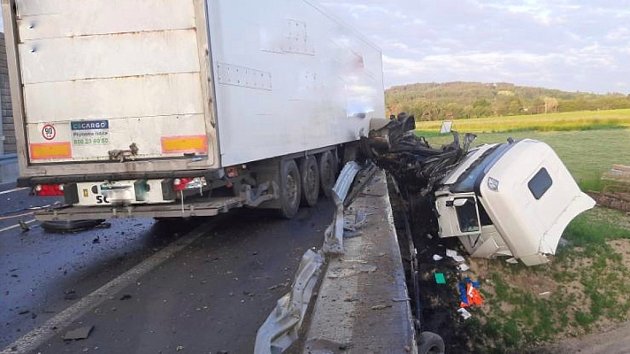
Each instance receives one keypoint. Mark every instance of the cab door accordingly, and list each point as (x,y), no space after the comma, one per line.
(458,215)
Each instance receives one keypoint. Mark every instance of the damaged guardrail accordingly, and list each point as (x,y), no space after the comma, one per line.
(281,327)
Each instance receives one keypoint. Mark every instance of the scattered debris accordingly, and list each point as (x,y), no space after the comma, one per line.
(439,278)
(24,226)
(351,271)
(453,254)
(274,287)
(380,307)
(465,314)
(401,300)
(70,295)
(512,260)
(463,267)
(23,312)
(469,293)
(545,293)
(78,333)
(437,257)
(125,297)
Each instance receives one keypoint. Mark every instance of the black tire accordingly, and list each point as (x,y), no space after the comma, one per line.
(290,189)
(310,181)
(327,173)
(430,343)
(70,226)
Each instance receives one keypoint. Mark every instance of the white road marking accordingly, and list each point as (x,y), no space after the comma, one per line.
(14,190)
(38,336)
(16,216)
(17,225)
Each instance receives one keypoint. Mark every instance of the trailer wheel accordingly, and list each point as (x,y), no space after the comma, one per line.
(290,189)
(430,343)
(310,181)
(327,172)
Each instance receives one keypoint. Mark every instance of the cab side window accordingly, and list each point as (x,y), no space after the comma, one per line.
(467,216)
(540,183)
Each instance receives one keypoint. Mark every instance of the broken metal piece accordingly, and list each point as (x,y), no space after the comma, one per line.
(282,326)
(78,333)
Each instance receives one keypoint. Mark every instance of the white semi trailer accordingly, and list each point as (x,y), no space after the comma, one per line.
(178,108)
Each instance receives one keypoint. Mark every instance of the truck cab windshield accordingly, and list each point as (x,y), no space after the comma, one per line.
(469,180)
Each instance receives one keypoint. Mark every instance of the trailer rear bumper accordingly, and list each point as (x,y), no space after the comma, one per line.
(209,208)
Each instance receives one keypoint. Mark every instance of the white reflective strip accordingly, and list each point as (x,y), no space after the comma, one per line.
(14,190)
(16,226)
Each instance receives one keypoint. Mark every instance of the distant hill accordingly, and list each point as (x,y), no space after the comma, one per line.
(452,100)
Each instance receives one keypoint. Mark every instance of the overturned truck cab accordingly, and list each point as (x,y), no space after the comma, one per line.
(513,199)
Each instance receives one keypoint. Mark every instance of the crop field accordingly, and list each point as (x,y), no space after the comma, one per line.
(583,120)
(584,288)
(587,153)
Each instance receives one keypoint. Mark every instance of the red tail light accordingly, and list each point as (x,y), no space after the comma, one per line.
(179,184)
(49,190)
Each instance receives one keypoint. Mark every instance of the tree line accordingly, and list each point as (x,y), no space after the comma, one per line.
(456,100)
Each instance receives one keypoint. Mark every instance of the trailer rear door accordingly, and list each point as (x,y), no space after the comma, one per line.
(101,75)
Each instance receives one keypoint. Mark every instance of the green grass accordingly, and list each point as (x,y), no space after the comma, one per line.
(583,120)
(587,154)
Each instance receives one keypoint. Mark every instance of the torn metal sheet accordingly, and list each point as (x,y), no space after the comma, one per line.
(333,237)
(281,328)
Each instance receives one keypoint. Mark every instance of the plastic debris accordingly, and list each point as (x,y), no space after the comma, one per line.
(469,293)
(437,257)
(465,314)
(453,254)
(463,267)
(512,260)
(439,278)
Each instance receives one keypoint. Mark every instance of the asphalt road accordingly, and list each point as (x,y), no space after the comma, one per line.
(210,296)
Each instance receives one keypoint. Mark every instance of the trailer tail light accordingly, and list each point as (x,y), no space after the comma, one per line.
(182,184)
(49,190)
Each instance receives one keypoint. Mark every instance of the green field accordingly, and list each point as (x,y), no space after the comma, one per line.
(589,142)
(584,120)
(587,154)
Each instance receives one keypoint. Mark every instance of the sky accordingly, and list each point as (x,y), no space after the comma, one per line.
(571,45)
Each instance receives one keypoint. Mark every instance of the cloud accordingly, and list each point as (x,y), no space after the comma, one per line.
(567,44)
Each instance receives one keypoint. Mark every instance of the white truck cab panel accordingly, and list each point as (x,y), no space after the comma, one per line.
(524,197)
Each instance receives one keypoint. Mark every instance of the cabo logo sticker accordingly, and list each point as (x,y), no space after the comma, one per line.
(90,132)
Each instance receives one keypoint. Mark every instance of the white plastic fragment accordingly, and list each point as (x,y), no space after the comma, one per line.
(512,260)
(465,314)
(463,267)
(437,257)
(453,254)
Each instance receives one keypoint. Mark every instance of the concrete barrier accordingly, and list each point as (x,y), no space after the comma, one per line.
(362,304)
